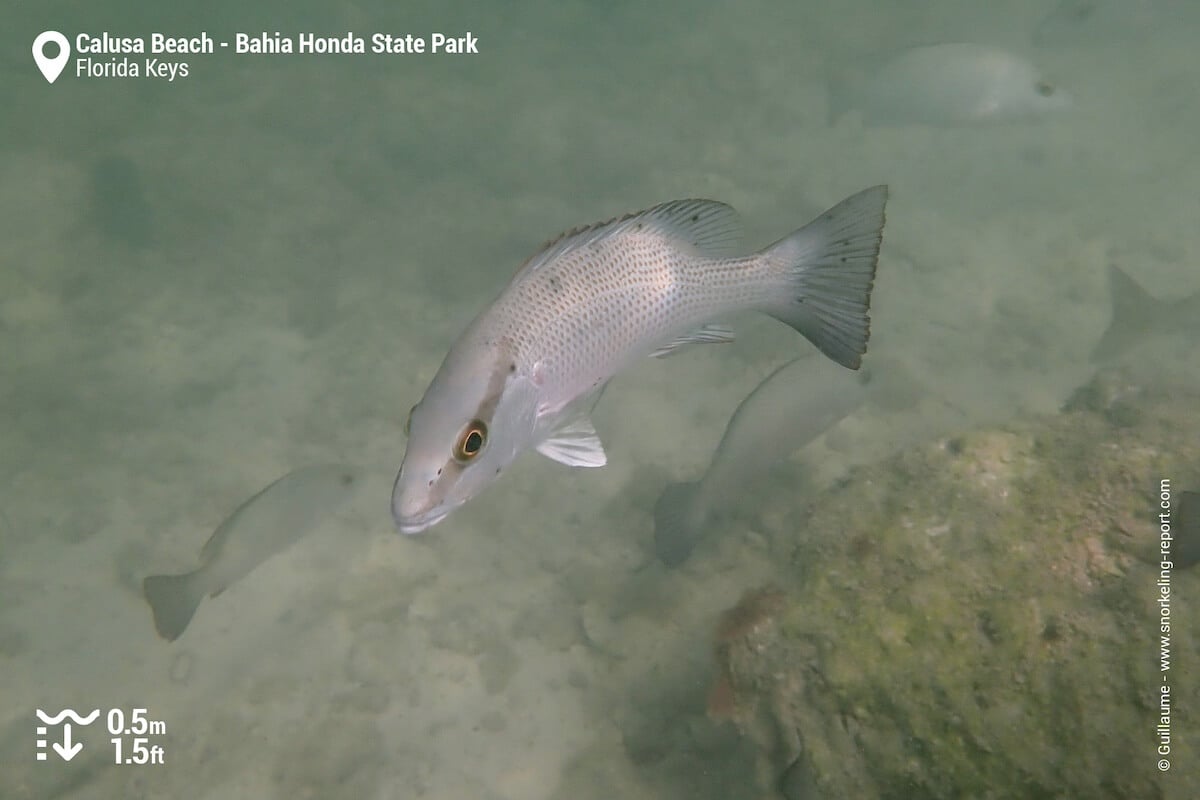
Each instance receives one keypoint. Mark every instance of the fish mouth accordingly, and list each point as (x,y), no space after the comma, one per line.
(413,514)
(416,523)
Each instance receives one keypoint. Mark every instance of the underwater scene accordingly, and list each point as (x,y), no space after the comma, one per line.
(576,400)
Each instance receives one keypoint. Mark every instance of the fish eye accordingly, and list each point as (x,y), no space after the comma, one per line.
(1044,88)
(471,441)
(408,422)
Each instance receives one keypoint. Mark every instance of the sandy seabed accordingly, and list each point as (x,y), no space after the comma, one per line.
(321,230)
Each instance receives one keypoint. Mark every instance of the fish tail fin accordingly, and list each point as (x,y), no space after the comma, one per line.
(678,522)
(173,599)
(1134,311)
(830,270)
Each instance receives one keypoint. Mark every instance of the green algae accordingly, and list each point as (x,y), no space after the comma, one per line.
(978,617)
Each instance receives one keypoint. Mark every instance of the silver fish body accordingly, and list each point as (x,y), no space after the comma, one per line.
(266,524)
(791,407)
(595,300)
(948,84)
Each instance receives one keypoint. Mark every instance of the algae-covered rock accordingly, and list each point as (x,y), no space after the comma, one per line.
(979,617)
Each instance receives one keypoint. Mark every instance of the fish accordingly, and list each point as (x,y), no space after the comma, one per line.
(799,780)
(793,406)
(947,84)
(527,371)
(266,524)
(1137,314)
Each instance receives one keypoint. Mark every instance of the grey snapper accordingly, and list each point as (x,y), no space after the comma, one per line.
(266,524)
(947,84)
(792,406)
(1137,314)
(527,371)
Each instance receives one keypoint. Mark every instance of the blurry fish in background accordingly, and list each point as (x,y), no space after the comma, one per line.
(947,84)
(1185,551)
(799,780)
(266,524)
(526,372)
(119,207)
(794,405)
(1136,315)
(1097,21)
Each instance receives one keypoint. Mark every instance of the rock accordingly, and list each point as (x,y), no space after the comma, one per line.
(979,617)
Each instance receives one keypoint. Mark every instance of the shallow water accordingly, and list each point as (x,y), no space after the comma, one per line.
(208,282)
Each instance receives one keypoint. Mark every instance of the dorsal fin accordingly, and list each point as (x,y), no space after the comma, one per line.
(705,226)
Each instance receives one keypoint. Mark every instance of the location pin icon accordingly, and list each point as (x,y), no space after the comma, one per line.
(51,67)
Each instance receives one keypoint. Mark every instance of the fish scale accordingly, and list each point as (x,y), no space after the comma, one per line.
(526,372)
(609,306)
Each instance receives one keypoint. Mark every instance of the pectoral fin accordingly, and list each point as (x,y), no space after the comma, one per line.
(575,444)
